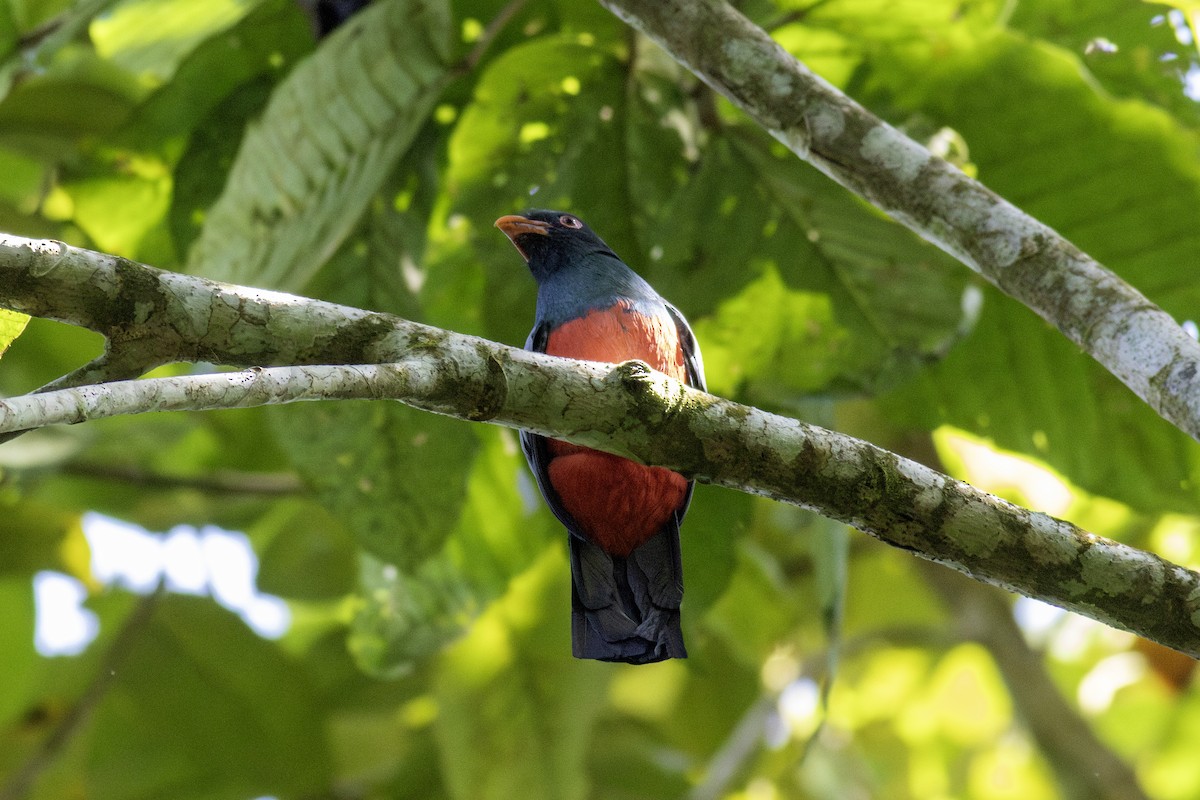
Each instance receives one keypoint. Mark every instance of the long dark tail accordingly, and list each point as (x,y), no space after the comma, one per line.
(627,609)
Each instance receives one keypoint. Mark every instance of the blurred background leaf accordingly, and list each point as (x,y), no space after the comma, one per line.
(426,585)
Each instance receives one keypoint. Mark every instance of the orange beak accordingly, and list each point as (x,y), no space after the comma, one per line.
(514,225)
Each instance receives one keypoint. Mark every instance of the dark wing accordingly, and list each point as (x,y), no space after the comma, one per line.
(534,446)
(694,365)
(692,361)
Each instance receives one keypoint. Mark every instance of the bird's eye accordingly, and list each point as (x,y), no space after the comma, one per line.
(567,221)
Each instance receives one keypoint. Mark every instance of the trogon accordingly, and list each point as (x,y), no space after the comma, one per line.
(622,517)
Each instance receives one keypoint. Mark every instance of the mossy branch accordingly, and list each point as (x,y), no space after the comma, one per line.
(1130,336)
(626,409)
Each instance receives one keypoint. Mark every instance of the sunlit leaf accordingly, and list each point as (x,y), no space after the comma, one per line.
(394,476)
(404,616)
(117,207)
(263,44)
(12,324)
(81,96)
(1132,49)
(515,717)
(150,38)
(1126,199)
(324,145)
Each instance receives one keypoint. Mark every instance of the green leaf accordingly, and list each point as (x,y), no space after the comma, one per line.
(550,124)
(755,586)
(1130,48)
(117,204)
(515,710)
(24,181)
(42,353)
(307,555)
(9,31)
(213,146)
(21,662)
(394,476)
(504,526)
(715,520)
(12,323)
(819,292)
(80,96)
(10,37)
(326,142)
(769,333)
(404,616)
(149,39)
(1126,199)
(261,47)
(36,536)
(554,110)
(193,670)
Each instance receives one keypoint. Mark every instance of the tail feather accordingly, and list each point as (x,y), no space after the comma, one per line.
(627,609)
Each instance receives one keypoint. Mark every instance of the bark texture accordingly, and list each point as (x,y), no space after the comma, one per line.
(627,409)
(1129,335)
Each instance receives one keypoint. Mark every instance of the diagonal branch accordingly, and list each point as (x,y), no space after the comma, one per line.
(1134,339)
(1085,766)
(625,409)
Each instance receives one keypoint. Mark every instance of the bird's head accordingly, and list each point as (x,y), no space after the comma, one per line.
(551,240)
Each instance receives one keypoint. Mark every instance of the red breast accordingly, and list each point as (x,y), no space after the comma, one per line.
(617,503)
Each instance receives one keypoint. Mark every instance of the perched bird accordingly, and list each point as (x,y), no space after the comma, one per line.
(622,518)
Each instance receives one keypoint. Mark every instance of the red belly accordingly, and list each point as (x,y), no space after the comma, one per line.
(617,503)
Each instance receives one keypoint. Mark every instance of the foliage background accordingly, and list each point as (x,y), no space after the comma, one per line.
(429,654)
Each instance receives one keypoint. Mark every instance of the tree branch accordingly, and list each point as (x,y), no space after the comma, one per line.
(1133,338)
(625,409)
(219,482)
(1085,766)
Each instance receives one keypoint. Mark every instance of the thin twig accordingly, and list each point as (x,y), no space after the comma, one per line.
(103,369)
(37,45)
(23,780)
(743,742)
(1085,766)
(489,35)
(222,481)
(797,15)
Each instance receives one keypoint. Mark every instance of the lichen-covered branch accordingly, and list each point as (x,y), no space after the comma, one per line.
(164,316)
(626,409)
(1133,338)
